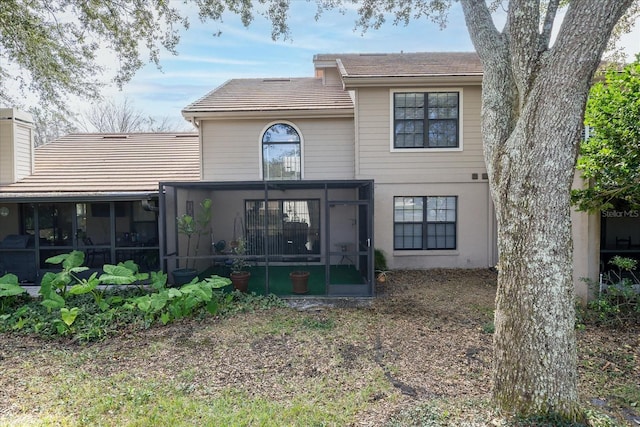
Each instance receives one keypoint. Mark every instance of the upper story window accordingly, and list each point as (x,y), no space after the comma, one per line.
(281,153)
(426,120)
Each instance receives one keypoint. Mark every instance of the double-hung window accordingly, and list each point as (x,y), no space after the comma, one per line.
(426,120)
(425,222)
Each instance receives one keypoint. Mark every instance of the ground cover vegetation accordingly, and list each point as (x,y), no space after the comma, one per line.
(419,355)
(86,306)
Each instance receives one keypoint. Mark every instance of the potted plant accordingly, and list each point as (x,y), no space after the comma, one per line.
(239,275)
(380,265)
(192,228)
(299,281)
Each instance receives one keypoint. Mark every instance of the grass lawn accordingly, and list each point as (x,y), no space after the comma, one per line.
(420,355)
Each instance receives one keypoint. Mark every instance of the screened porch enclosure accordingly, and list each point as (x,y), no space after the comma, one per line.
(324,227)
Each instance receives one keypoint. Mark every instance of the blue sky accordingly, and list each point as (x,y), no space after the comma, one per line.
(206,61)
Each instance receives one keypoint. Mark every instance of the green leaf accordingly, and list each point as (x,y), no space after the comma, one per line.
(130,265)
(212,307)
(117,275)
(9,286)
(217,282)
(165,318)
(46,284)
(69,315)
(158,280)
(85,286)
(53,301)
(174,293)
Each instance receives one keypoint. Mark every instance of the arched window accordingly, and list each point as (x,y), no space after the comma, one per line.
(281,153)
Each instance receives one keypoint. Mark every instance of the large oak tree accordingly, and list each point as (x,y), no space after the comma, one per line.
(533,100)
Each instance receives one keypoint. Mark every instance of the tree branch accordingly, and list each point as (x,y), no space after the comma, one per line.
(547,26)
(486,38)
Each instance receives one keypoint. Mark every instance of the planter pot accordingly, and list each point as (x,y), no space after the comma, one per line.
(299,281)
(240,280)
(182,276)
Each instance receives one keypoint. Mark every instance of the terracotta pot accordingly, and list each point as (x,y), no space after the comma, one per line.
(240,280)
(299,281)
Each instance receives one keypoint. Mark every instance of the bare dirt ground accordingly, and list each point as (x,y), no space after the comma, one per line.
(427,338)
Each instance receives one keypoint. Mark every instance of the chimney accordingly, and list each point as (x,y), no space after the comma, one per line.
(16,145)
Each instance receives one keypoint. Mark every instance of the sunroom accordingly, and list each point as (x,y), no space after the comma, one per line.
(323,227)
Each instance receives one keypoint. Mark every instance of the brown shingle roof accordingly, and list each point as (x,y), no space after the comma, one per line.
(111,163)
(406,64)
(272,95)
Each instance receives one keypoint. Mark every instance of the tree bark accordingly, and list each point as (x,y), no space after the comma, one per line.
(532,111)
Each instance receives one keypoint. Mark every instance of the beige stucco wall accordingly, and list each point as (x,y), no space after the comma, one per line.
(232,148)
(475,227)
(585,231)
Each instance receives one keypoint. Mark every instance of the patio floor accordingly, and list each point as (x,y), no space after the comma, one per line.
(280,284)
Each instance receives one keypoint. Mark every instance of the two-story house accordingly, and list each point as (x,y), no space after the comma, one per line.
(375,151)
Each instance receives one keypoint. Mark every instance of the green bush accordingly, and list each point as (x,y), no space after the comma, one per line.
(90,308)
(618,300)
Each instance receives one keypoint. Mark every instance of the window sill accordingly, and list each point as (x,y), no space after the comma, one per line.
(435,252)
(427,150)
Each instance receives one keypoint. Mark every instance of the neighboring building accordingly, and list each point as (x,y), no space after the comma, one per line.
(298,166)
(92,192)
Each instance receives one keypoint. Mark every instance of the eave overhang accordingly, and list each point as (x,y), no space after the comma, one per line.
(268,114)
(353,82)
(75,196)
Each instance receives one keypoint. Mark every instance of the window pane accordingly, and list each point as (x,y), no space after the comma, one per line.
(443,133)
(407,236)
(408,209)
(408,120)
(281,153)
(280,133)
(281,161)
(443,113)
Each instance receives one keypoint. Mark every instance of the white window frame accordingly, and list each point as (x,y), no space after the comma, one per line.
(260,156)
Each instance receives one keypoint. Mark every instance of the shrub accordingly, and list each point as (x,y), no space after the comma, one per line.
(618,300)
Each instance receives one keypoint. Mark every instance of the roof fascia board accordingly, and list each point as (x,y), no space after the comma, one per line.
(270,114)
(79,196)
(376,81)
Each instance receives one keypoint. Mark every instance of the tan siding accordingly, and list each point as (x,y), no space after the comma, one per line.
(328,149)
(332,77)
(6,152)
(231,148)
(378,162)
(23,150)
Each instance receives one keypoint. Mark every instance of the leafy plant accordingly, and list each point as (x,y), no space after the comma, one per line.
(168,304)
(379,260)
(618,298)
(9,290)
(190,226)
(240,262)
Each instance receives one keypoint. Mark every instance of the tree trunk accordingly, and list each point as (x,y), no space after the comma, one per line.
(533,99)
